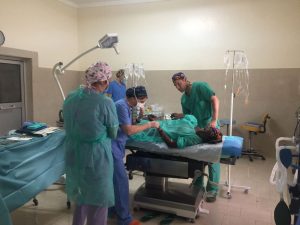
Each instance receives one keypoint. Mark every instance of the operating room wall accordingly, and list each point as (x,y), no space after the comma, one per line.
(47,27)
(194,34)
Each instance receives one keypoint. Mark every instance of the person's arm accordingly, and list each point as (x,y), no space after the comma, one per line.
(133,129)
(167,139)
(215,106)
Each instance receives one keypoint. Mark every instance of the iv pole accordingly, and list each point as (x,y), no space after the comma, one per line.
(107,41)
(228,183)
(232,88)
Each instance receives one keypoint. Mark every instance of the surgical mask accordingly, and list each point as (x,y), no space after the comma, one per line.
(140,105)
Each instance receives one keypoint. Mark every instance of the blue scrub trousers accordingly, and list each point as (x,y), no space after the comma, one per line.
(121,187)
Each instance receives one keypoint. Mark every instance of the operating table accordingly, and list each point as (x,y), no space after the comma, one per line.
(160,163)
(27,168)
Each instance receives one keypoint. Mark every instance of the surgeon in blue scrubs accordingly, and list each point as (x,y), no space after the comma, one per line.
(136,96)
(117,88)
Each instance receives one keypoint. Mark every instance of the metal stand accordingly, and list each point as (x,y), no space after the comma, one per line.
(228,182)
(250,152)
(157,193)
(229,185)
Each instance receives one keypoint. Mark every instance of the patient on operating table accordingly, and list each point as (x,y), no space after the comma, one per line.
(179,133)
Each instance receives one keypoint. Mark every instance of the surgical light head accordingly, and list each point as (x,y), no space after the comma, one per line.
(109,41)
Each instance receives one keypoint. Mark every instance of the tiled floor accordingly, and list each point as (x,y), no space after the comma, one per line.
(254,208)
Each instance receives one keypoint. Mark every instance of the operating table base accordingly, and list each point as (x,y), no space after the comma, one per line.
(177,198)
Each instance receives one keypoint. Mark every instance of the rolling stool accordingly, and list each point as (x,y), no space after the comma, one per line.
(254,129)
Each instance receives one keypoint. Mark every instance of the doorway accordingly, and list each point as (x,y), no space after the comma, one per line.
(12,95)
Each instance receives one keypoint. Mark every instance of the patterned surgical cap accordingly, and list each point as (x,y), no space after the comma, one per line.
(178,76)
(99,71)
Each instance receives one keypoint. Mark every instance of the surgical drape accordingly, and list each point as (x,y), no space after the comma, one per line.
(181,131)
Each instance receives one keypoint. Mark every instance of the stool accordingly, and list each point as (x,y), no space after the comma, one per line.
(253,129)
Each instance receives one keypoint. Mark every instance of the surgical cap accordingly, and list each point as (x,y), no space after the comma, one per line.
(120,73)
(99,71)
(178,76)
(138,92)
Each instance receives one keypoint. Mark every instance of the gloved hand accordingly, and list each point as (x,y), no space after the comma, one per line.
(176,116)
(153,124)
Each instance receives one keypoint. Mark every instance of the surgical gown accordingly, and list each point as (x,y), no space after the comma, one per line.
(198,103)
(88,116)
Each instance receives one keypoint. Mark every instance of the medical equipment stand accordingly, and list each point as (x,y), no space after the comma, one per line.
(228,182)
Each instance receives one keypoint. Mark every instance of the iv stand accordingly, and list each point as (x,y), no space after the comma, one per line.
(228,182)
(232,89)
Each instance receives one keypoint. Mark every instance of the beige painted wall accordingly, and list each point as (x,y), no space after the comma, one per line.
(268,30)
(44,26)
(168,35)
(194,34)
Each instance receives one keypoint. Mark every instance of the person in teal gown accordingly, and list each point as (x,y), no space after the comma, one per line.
(90,122)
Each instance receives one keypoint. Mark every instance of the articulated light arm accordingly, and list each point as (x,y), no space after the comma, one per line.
(108,41)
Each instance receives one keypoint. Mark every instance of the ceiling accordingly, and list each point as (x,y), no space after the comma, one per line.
(96,3)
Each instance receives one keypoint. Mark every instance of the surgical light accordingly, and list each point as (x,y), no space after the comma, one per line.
(109,40)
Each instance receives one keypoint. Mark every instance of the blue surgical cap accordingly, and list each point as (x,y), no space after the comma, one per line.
(139,92)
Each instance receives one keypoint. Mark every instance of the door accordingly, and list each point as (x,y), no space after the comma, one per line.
(12,97)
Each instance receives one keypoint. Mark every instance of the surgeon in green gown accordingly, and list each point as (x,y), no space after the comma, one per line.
(90,121)
(200,100)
